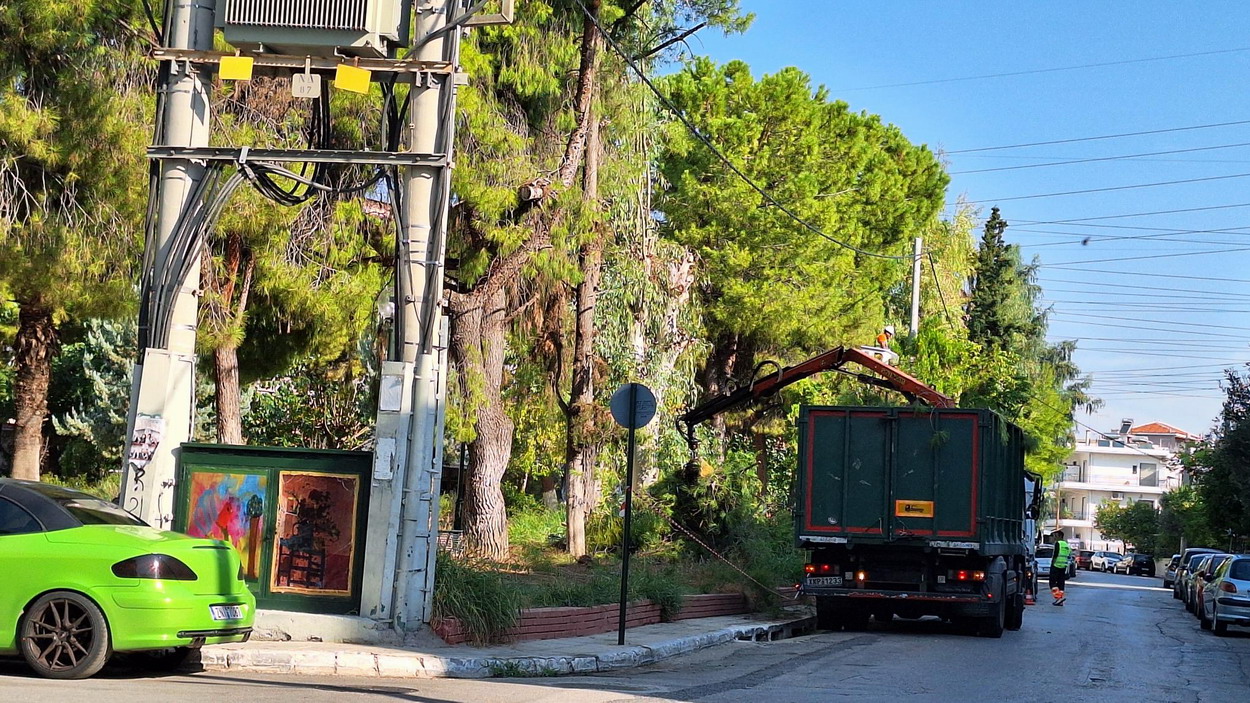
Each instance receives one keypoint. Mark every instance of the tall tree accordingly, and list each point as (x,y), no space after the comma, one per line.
(72,175)
(770,286)
(1022,375)
(527,115)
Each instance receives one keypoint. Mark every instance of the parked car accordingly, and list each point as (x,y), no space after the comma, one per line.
(1188,596)
(1187,558)
(1204,577)
(1103,561)
(1135,565)
(106,582)
(1045,553)
(1083,559)
(1226,600)
(1169,573)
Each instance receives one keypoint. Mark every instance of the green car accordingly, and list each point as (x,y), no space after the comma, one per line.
(84,579)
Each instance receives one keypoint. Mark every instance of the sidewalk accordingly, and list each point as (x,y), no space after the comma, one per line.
(430,657)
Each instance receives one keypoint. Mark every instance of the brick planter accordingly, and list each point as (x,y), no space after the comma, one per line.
(554,623)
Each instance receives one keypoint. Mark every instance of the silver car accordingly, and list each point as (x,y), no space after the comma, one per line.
(1226,599)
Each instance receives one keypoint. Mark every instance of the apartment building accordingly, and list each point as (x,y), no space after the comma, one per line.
(1124,467)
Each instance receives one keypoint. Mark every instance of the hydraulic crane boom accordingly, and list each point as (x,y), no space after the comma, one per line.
(834,359)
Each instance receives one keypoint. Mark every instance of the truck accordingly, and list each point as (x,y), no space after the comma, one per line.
(913,512)
(905,511)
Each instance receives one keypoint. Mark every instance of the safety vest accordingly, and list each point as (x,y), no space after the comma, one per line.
(1062,551)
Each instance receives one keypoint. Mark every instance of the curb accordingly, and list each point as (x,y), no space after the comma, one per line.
(397,663)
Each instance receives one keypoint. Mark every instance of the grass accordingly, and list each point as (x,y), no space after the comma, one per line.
(487,597)
(107,488)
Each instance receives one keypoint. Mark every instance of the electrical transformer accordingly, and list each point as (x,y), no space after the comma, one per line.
(365,28)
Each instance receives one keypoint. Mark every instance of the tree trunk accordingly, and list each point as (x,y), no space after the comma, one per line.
(479,338)
(229,397)
(36,345)
(478,343)
(223,311)
(583,443)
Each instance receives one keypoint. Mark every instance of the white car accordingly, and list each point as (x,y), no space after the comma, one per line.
(1103,561)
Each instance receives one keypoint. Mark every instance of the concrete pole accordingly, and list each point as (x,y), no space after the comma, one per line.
(426,200)
(915,287)
(163,388)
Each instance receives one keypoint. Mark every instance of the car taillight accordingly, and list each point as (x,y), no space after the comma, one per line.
(154,566)
(1227,587)
(966,575)
(818,568)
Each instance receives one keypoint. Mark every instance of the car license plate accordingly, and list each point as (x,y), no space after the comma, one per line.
(824,581)
(226,612)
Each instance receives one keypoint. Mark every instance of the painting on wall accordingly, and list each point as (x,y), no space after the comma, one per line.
(231,507)
(314,543)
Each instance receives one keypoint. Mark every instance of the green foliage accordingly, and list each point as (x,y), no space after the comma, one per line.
(106,487)
(1183,517)
(1136,525)
(764,277)
(73,127)
(1221,465)
(476,594)
(1023,376)
(315,406)
(89,396)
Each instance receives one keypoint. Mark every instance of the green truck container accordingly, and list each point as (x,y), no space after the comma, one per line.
(912,512)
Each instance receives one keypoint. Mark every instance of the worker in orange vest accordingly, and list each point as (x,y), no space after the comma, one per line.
(883,339)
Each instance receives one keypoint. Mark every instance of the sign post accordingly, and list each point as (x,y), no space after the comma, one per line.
(633,406)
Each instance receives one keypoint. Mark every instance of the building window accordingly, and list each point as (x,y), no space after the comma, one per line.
(1149,475)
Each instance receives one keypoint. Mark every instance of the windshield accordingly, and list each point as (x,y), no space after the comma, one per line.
(1045,551)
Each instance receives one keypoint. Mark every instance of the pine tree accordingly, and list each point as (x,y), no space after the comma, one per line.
(73,116)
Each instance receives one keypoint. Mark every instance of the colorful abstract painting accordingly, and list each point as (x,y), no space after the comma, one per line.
(314,544)
(230,506)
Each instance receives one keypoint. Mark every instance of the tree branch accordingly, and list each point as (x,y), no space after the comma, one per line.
(670,42)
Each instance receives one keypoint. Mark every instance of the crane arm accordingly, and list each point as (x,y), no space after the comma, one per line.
(761,387)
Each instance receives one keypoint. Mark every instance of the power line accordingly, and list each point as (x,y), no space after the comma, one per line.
(1131,214)
(1110,189)
(1154,256)
(690,126)
(1066,318)
(1149,288)
(1071,162)
(1105,136)
(1140,275)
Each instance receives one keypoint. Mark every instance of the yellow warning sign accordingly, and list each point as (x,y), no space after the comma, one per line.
(913,508)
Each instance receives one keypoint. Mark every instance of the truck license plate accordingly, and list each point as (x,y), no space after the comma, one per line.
(234,612)
(824,581)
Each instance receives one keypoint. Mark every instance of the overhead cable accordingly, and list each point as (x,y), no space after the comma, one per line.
(707,142)
(1105,136)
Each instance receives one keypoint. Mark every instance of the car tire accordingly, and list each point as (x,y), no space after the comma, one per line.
(1203,622)
(1015,612)
(1220,628)
(64,635)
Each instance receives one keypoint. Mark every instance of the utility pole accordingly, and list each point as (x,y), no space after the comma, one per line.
(915,287)
(162,397)
(423,345)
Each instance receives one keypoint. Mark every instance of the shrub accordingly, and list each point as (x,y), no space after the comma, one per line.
(477,595)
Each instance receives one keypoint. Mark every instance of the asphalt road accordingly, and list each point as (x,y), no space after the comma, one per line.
(1119,638)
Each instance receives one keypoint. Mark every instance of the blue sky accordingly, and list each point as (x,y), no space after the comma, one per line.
(1155,321)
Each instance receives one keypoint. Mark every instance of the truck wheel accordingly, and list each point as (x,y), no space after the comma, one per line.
(994,625)
(1015,612)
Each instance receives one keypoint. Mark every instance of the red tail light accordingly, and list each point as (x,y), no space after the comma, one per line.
(1227,587)
(809,568)
(817,568)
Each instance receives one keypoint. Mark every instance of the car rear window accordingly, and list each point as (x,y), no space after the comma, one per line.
(1240,570)
(96,512)
(87,509)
